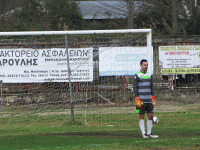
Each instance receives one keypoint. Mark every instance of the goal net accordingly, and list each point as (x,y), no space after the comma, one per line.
(82,76)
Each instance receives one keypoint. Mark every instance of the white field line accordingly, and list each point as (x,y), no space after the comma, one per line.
(98,145)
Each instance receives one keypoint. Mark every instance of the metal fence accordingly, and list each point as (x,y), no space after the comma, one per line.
(160,81)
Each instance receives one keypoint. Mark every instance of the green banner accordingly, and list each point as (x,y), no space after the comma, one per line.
(181,71)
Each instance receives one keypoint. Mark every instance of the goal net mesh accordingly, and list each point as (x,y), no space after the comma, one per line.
(35,78)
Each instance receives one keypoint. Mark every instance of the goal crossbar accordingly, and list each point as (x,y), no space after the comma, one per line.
(75,32)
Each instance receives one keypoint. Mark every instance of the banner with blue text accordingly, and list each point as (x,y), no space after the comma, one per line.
(121,60)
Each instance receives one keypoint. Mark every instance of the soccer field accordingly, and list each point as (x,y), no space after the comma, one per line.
(176,130)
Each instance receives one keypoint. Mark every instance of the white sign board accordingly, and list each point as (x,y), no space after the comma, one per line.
(121,60)
(179,57)
(44,65)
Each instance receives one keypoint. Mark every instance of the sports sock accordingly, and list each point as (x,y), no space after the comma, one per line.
(142,126)
(149,126)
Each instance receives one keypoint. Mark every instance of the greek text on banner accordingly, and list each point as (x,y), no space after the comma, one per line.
(26,65)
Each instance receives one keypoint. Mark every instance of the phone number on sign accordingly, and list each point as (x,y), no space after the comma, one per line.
(80,74)
(14,75)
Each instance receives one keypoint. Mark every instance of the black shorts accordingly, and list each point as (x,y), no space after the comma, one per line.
(146,107)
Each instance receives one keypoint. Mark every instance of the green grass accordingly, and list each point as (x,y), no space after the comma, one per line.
(176,130)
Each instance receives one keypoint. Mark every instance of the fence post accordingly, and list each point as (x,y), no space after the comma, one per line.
(69,77)
(1,95)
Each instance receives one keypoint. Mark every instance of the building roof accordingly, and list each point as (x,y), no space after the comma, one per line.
(106,9)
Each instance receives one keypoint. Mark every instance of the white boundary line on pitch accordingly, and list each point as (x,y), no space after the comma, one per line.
(151,141)
(98,145)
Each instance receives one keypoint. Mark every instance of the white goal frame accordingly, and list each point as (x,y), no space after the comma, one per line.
(147,32)
(39,33)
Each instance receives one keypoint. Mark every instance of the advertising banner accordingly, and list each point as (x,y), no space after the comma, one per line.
(45,65)
(182,57)
(121,60)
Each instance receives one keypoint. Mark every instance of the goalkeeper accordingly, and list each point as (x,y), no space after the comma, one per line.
(144,97)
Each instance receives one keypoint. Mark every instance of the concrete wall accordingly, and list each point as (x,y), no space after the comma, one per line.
(187,96)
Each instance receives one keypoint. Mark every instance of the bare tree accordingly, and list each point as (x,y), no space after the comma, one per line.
(130,13)
(174,13)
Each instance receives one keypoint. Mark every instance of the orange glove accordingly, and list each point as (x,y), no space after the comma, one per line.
(138,102)
(154,101)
